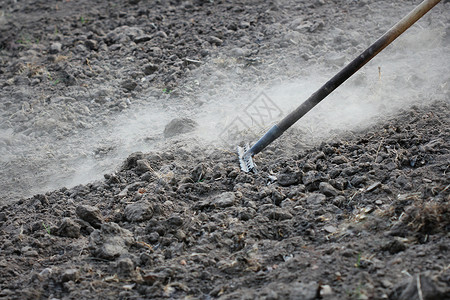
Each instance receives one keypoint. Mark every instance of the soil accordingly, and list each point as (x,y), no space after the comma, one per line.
(126,86)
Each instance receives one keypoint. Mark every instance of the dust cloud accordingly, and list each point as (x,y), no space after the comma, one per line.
(411,71)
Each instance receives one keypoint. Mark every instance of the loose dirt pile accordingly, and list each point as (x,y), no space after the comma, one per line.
(350,214)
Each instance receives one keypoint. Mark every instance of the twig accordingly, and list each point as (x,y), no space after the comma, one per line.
(419,288)
(378,150)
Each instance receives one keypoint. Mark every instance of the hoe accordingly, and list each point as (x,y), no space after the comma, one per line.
(246,153)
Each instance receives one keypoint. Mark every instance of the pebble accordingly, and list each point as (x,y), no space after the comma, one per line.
(149,69)
(316,199)
(213,40)
(55,48)
(288,179)
(142,39)
(327,189)
(223,200)
(330,229)
(68,228)
(110,241)
(373,186)
(70,275)
(139,211)
(91,44)
(338,160)
(128,84)
(90,214)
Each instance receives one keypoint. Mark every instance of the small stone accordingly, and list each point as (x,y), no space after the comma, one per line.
(278,214)
(91,44)
(3,217)
(244,24)
(223,200)
(327,189)
(143,166)
(394,246)
(55,48)
(339,160)
(316,199)
(142,39)
(213,40)
(90,214)
(325,290)
(330,229)
(175,220)
(278,197)
(179,126)
(161,34)
(128,84)
(373,186)
(125,267)
(358,180)
(139,211)
(150,69)
(70,275)
(68,228)
(110,241)
(288,179)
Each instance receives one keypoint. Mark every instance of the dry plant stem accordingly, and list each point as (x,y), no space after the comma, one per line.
(419,288)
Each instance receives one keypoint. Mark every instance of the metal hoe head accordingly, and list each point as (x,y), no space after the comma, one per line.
(245,159)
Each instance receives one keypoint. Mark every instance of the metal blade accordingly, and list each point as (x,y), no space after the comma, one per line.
(246,161)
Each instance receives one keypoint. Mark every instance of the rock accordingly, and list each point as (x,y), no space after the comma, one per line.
(330,229)
(55,48)
(179,126)
(143,166)
(161,34)
(394,246)
(139,211)
(91,44)
(337,160)
(358,180)
(312,179)
(90,214)
(224,200)
(215,41)
(142,39)
(327,189)
(175,220)
(125,267)
(128,84)
(68,228)
(3,217)
(325,290)
(316,199)
(278,197)
(288,179)
(149,69)
(110,241)
(70,275)
(278,214)
(373,186)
